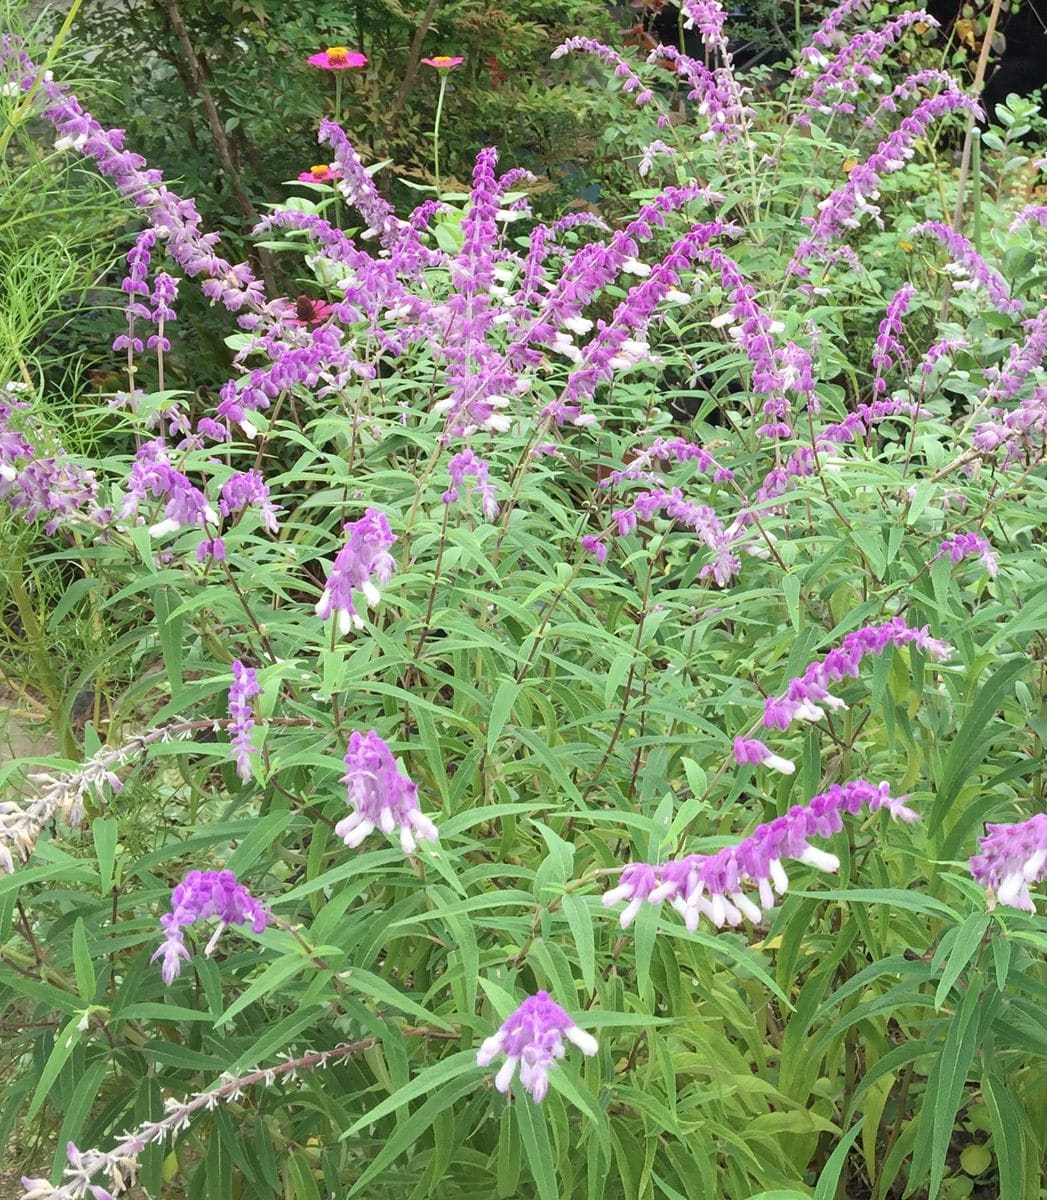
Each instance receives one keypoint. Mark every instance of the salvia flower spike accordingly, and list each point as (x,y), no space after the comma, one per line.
(204,894)
(364,558)
(808,695)
(379,796)
(531,1038)
(1012,857)
(244,689)
(713,886)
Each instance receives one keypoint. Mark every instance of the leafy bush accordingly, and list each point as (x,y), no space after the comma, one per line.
(432,648)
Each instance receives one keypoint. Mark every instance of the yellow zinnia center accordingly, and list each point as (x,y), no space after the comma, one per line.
(337,54)
(320,170)
(442,58)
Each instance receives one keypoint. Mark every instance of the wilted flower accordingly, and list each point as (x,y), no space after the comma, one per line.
(201,895)
(710,886)
(1012,857)
(337,58)
(531,1038)
(443,62)
(380,797)
(364,555)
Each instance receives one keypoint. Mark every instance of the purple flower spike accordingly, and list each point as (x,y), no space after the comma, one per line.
(752,750)
(245,688)
(967,267)
(380,797)
(364,555)
(466,463)
(248,489)
(201,895)
(531,1038)
(710,886)
(807,695)
(888,346)
(1012,857)
(964,544)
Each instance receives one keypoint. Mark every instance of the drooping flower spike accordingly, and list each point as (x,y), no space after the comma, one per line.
(1012,857)
(204,894)
(337,58)
(804,698)
(379,796)
(711,886)
(531,1038)
(365,556)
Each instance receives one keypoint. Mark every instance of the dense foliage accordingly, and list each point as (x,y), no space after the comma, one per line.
(566,718)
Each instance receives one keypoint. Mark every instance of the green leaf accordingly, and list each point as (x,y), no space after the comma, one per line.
(501,707)
(1007,1136)
(270,980)
(964,948)
(976,733)
(82,964)
(829,1179)
(425,1081)
(66,1042)
(537,1149)
(104,833)
(409,1131)
(299,1177)
(579,918)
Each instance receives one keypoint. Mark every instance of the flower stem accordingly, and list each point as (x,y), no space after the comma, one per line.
(436,130)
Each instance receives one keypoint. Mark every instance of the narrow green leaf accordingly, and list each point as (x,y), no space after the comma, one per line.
(829,1179)
(432,1077)
(965,947)
(580,921)
(82,964)
(537,1149)
(300,1177)
(271,978)
(973,738)
(1007,1136)
(261,838)
(501,707)
(104,832)
(65,1042)
(409,1131)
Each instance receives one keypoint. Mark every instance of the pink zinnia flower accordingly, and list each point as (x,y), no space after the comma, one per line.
(443,62)
(321,173)
(337,58)
(310,312)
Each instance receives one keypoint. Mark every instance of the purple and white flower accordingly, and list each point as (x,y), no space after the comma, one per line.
(200,896)
(532,1038)
(380,797)
(1012,857)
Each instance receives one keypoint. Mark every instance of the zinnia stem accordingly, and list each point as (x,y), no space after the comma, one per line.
(436,130)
